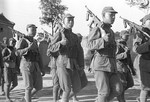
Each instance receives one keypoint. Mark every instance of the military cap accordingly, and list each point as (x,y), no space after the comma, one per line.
(30,25)
(12,39)
(124,32)
(68,15)
(145,18)
(108,9)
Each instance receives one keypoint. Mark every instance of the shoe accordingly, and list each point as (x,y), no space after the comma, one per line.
(2,93)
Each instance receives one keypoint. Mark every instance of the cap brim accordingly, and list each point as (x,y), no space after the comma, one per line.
(113,11)
(69,17)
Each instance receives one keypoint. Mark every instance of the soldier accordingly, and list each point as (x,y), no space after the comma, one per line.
(1,73)
(31,65)
(52,65)
(124,63)
(10,68)
(70,58)
(3,45)
(101,40)
(141,45)
(82,75)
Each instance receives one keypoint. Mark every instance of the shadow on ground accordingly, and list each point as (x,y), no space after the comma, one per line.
(87,94)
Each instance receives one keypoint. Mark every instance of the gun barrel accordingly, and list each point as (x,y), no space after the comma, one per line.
(136,26)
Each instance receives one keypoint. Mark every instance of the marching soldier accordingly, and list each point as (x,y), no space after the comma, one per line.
(1,73)
(141,45)
(124,63)
(101,40)
(52,65)
(10,68)
(31,65)
(70,58)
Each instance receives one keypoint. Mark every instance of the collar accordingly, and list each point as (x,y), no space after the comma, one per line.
(105,25)
(69,30)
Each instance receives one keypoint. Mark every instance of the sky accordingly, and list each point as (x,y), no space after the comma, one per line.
(23,12)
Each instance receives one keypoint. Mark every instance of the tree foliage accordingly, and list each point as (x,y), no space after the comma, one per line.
(141,4)
(51,9)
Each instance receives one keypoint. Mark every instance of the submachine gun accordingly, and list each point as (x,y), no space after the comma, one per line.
(58,25)
(139,28)
(18,33)
(96,21)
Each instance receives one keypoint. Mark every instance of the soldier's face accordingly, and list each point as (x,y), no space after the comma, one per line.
(147,24)
(69,22)
(109,17)
(32,31)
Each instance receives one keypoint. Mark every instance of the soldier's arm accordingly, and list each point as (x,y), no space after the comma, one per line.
(122,55)
(95,41)
(5,54)
(55,44)
(22,47)
(140,47)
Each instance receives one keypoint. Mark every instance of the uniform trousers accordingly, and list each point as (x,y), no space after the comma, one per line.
(10,76)
(32,79)
(68,79)
(56,86)
(108,85)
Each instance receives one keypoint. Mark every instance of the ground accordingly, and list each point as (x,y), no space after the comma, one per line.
(88,94)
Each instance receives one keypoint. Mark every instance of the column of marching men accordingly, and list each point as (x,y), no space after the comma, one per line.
(111,61)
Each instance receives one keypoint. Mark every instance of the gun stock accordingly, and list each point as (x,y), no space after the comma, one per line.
(136,26)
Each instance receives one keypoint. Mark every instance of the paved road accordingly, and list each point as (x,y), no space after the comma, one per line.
(88,94)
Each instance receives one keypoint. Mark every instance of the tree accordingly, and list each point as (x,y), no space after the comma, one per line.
(51,9)
(141,4)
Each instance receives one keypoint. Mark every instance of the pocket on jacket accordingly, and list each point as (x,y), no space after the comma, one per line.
(101,60)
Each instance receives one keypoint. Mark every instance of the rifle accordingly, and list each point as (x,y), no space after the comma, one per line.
(47,36)
(140,28)
(19,34)
(95,19)
(58,24)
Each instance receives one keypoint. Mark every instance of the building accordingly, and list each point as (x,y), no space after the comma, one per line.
(6,27)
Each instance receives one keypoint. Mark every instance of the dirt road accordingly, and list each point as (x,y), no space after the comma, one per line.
(88,94)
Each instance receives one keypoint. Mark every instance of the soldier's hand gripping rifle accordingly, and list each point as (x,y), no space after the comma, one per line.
(140,28)
(95,20)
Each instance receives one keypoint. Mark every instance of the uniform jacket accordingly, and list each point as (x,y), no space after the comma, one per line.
(9,57)
(123,56)
(141,46)
(104,56)
(68,55)
(30,59)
